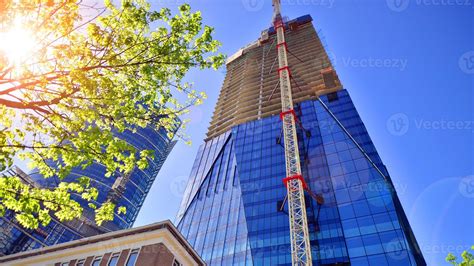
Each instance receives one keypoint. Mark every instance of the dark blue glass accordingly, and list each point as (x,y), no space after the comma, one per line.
(231,212)
(13,238)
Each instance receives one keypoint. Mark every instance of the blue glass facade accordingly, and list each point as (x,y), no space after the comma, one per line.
(131,193)
(231,210)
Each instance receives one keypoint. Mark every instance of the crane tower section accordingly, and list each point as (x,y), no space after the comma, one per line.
(299,235)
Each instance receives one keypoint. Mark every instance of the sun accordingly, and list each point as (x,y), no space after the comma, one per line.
(17,44)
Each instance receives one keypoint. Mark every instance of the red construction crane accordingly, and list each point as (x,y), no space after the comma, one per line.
(295,183)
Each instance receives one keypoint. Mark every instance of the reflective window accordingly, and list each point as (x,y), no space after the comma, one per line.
(114,259)
(230,213)
(96,261)
(132,258)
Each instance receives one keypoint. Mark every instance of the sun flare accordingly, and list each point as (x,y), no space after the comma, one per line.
(17,44)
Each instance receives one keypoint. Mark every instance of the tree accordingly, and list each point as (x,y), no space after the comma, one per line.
(70,73)
(468,259)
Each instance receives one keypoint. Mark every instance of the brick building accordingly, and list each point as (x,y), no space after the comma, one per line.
(155,244)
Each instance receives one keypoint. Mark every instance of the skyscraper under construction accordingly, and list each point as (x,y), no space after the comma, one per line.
(236,208)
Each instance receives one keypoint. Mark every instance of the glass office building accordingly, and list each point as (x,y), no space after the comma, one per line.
(234,212)
(129,191)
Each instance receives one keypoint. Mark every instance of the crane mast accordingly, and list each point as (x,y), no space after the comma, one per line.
(299,235)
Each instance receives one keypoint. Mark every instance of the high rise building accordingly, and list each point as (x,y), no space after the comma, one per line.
(234,210)
(129,191)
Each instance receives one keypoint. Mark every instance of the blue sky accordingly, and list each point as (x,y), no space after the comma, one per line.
(409,67)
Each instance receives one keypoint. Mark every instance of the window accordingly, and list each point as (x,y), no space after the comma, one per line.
(329,82)
(355,247)
(132,258)
(96,261)
(293,25)
(114,259)
(176,263)
(80,263)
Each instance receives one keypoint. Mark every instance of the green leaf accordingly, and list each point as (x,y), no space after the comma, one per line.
(84,85)
(122,210)
(27,220)
(104,213)
(84,181)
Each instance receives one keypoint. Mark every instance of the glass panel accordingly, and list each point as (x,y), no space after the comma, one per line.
(132,258)
(234,218)
(113,260)
(96,261)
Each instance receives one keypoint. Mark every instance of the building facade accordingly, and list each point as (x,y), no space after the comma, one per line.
(234,212)
(155,244)
(129,191)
